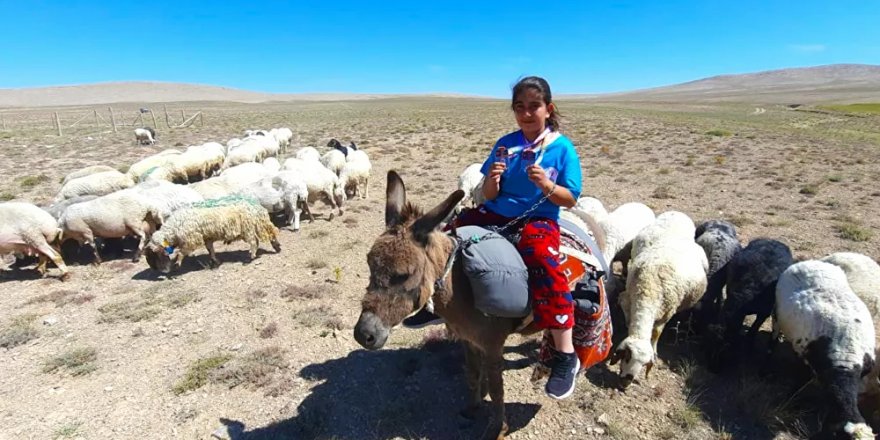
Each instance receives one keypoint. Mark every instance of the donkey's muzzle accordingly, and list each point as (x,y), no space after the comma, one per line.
(370,332)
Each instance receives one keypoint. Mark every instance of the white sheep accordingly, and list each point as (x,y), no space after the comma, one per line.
(592,206)
(97,184)
(832,330)
(355,155)
(139,168)
(112,216)
(227,220)
(29,230)
(622,225)
(294,196)
(272,164)
(308,154)
(471,182)
(863,276)
(666,275)
(167,197)
(58,208)
(86,171)
(145,136)
(355,178)
(334,160)
(283,135)
(321,182)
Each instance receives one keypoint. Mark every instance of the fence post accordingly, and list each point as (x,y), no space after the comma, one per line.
(3,120)
(183,115)
(57,123)
(201,120)
(96,116)
(167,123)
(153,115)
(112,119)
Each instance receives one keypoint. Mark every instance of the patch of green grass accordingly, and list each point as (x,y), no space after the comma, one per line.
(719,133)
(77,361)
(255,370)
(68,431)
(741,220)
(871,108)
(853,231)
(6,195)
(19,331)
(835,178)
(810,189)
(198,373)
(32,181)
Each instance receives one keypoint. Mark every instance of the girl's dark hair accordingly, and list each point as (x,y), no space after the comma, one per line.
(542,87)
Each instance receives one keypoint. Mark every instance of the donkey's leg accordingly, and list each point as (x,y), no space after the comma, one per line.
(474,373)
(494,358)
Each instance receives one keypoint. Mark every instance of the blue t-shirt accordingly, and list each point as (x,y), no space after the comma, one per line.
(558,159)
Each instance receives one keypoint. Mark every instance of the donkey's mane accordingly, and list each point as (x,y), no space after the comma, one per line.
(410,212)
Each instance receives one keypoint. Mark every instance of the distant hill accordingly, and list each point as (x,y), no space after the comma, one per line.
(807,85)
(146,91)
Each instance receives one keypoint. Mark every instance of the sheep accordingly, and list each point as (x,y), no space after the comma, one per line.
(308,154)
(294,193)
(751,277)
(145,136)
(27,229)
(622,225)
(592,206)
(214,188)
(167,197)
(139,168)
(272,165)
(355,178)
(227,220)
(199,162)
(666,275)
(832,331)
(863,276)
(357,155)
(718,239)
(245,174)
(283,135)
(334,160)
(112,216)
(86,171)
(56,209)
(471,182)
(336,145)
(252,149)
(97,184)
(320,182)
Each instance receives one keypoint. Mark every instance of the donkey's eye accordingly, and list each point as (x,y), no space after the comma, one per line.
(399,279)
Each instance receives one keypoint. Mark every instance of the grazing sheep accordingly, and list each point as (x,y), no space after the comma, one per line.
(336,145)
(56,209)
(167,197)
(718,239)
(355,178)
(86,171)
(283,135)
(622,225)
(226,220)
(357,155)
(863,276)
(751,277)
(308,154)
(334,160)
(145,136)
(592,206)
(294,196)
(29,230)
(97,184)
(471,182)
(666,275)
(830,328)
(321,182)
(112,216)
(272,165)
(138,169)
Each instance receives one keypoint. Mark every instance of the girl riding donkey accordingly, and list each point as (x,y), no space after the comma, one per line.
(529,175)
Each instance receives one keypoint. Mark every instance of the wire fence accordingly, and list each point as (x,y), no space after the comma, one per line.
(93,119)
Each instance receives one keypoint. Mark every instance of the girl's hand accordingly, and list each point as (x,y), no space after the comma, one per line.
(496,170)
(539,177)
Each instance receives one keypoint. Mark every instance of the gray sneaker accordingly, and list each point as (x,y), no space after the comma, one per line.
(563,375)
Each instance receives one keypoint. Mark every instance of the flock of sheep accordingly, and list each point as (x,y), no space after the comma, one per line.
(175,202)
(829,309)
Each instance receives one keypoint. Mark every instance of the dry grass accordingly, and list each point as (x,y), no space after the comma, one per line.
(19,331)
(296,293)
(270,330)
(198,372)
(146,306)
(256,370)
(77,362)
(62,298)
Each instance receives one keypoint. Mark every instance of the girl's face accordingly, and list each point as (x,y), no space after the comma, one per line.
(531,112)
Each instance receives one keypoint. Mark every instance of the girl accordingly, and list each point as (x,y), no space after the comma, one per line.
(529,175)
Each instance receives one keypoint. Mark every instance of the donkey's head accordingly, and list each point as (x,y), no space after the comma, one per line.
(404,263)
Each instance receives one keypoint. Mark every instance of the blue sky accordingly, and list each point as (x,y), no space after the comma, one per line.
(417,47)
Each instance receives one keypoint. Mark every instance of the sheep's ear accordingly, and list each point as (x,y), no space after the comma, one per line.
(428,222)
(395,198)
(622,353)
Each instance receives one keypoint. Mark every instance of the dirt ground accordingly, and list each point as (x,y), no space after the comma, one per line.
(265,350)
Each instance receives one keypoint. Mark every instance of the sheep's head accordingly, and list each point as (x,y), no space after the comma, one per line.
(633,354)
(160,255)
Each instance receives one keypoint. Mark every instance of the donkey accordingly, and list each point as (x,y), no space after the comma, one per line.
(407,267)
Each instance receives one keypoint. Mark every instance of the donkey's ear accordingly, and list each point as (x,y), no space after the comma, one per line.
(428,222)
(395,198)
